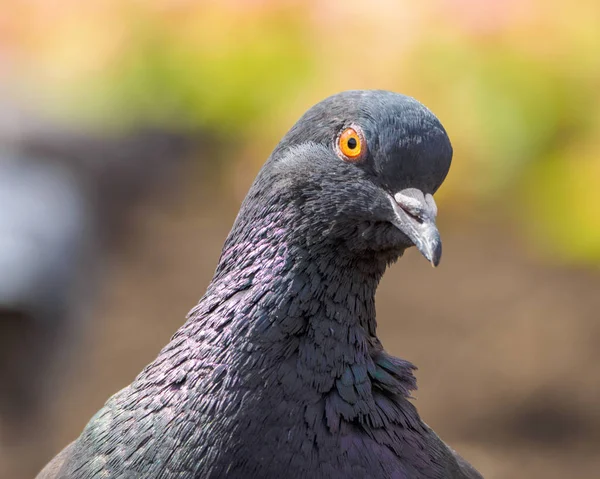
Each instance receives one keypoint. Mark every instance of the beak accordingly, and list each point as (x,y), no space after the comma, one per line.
(414,215)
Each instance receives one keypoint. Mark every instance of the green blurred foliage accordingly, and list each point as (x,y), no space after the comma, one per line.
(214,74)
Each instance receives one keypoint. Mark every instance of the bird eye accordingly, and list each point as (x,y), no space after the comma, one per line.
(351,145)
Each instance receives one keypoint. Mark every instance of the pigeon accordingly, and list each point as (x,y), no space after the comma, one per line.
(278,370)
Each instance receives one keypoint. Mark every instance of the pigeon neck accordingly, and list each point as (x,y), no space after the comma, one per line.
(315,302)
(298,320)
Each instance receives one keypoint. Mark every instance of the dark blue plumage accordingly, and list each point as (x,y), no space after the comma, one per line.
(278,371)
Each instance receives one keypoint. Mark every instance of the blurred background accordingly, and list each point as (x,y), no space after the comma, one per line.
(131,130)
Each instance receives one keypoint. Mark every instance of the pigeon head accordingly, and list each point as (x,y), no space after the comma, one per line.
(359,170)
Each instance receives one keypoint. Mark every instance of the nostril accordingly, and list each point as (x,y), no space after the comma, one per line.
(417,204)
(411,206)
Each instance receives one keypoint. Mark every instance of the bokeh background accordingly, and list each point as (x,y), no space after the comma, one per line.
(134,129)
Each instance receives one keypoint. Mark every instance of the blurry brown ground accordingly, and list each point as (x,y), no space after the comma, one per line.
(507,349)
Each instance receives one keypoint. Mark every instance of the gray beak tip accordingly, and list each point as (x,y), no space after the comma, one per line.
(435,260)
(431,249)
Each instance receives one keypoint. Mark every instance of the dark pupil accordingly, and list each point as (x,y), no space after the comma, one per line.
(352,143)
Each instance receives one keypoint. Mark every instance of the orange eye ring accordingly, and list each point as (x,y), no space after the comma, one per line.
(351,145)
